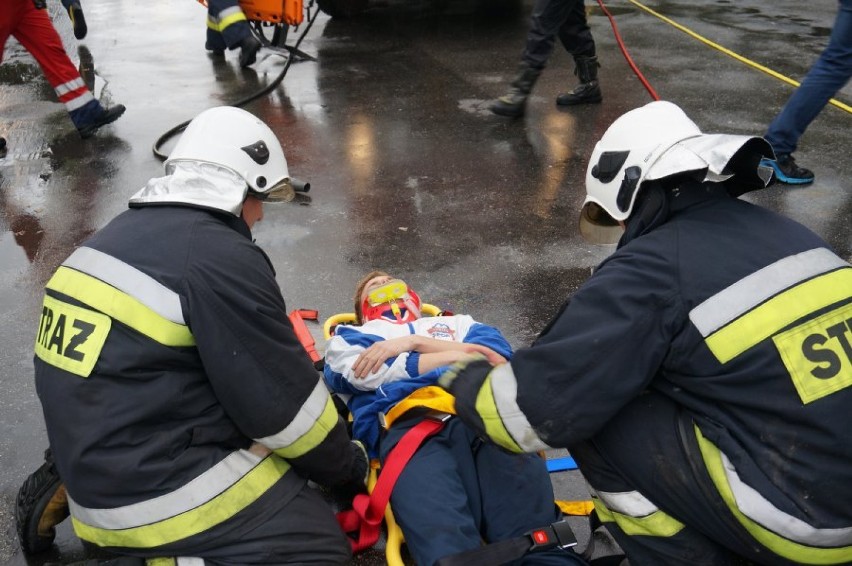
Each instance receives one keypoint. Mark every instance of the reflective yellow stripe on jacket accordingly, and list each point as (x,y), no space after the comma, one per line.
(316,418)
(211,498)
(762,304)
(125,294)
(225,18)
(778,531)
(505,423)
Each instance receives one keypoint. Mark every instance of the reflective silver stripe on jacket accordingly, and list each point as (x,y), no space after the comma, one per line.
(504,388)
(128,279)
(302,423)
(747,293)
(757,508)
(630,503)
(200,490)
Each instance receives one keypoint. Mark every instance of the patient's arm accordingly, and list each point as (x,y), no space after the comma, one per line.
(433,353)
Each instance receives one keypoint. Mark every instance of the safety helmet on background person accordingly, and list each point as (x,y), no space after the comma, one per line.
(394,301)
(657,141)
(224,155)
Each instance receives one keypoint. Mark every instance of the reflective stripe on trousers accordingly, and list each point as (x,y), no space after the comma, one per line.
(206,501)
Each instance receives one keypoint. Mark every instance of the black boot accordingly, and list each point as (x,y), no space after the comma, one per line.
(78,20)
(514,102)
(589,91)
(40,506)
(2,147)
(249,47)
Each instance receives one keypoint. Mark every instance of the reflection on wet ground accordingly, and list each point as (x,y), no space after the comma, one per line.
(410,171)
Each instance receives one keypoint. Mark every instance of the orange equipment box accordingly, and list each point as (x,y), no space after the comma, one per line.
(274,11)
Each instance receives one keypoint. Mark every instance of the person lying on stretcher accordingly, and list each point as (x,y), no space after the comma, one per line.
(457,490)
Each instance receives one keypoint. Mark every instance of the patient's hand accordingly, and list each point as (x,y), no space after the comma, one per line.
(493,357)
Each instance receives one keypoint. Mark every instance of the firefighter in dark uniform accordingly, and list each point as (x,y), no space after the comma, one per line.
(702,377)
(228,28)
(183,414)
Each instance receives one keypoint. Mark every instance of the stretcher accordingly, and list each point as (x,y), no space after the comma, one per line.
(394,537)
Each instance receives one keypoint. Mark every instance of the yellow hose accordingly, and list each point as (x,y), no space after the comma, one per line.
(730,53)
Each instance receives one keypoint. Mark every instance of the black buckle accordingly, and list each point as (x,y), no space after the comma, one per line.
(558,534)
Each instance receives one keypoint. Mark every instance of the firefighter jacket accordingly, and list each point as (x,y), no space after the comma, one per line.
(163,351)
(741,316)
(372,397)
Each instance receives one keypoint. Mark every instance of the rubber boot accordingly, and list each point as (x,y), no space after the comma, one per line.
(78,20)
(589,91)
(514,102)
(41,505)
(249,47)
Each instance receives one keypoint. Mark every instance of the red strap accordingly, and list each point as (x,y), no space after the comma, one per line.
(367,511)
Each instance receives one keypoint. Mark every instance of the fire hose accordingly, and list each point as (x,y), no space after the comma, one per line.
(304,187)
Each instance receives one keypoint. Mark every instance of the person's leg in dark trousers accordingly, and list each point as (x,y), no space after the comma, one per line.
(827,76)
(575,34)
(547,21)
(576,37)
(640,455)
(517,497)
(432,500)
(290,524)
(547,18)
(227,26)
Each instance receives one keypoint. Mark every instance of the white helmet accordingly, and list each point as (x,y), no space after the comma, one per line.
(237,140)
(653,142)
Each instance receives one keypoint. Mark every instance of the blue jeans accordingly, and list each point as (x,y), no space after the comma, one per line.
(827,76)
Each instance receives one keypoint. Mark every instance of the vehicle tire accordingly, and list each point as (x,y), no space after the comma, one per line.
(342,9)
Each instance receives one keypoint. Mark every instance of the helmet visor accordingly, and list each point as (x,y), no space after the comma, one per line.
(597,226)
(282,191)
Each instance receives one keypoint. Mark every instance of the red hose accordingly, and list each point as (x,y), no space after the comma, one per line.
(627,56)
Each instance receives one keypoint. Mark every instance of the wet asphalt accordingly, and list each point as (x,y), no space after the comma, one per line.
(409,171)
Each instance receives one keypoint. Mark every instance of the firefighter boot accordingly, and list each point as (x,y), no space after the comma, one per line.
(514,102)
(249,47)
(78,20)
(589,91)
(41,505)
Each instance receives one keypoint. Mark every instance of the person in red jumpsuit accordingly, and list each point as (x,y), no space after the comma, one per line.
(28,22)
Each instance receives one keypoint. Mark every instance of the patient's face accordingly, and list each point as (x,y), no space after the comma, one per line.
(390,299)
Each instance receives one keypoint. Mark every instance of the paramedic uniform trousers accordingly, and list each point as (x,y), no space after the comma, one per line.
(35,32)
